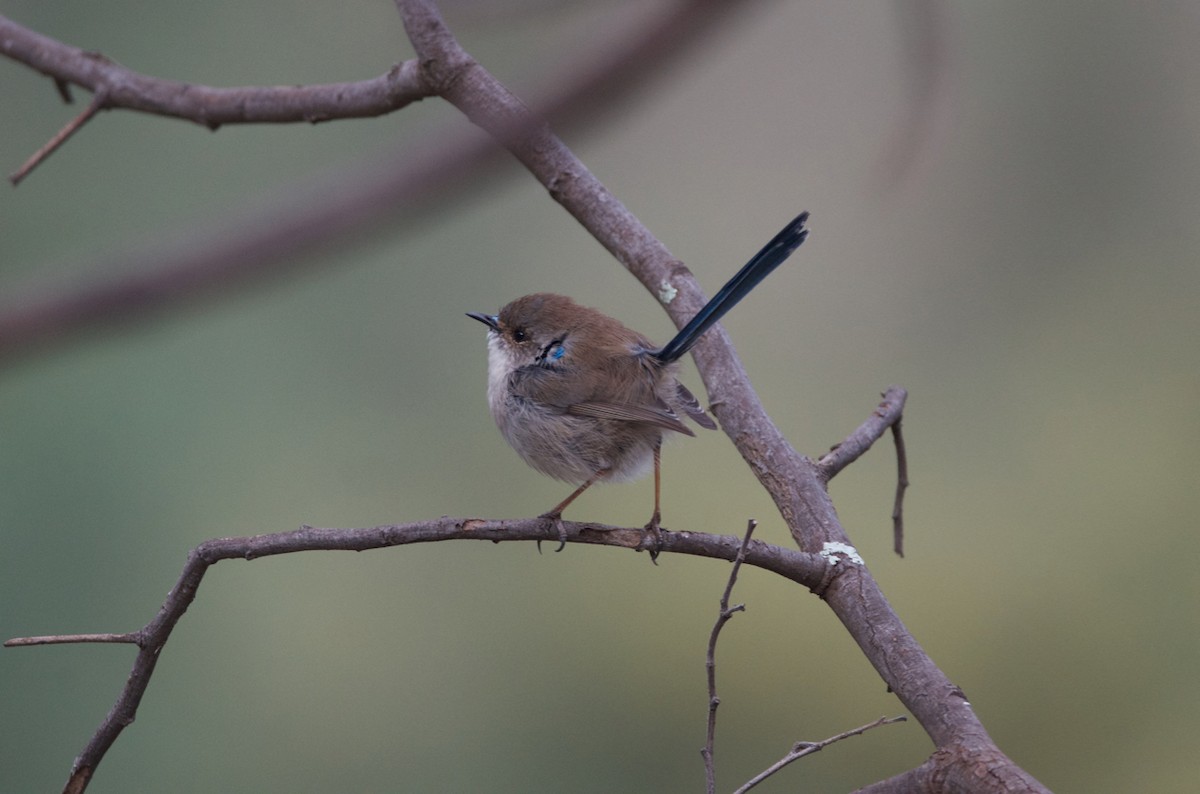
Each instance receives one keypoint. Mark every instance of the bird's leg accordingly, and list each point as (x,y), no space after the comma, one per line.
(555,513)
(652,528)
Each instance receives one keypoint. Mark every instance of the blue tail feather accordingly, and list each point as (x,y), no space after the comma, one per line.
(759,267)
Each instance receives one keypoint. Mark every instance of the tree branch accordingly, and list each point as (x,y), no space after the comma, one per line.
(491,106)
(888,414)
(68,639)
(817,572)
(966,758)
(901,487)
(795,482)
(211,107)
(854,446)
(806,569)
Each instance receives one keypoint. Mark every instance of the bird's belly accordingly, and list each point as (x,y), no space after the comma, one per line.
(574,448)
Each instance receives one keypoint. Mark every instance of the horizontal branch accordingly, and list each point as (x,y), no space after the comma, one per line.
(122,87)
(807,569)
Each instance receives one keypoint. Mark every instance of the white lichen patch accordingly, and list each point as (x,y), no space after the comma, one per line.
(666,293)
(830,551)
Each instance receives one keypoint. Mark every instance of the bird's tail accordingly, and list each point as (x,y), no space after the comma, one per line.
(759,267)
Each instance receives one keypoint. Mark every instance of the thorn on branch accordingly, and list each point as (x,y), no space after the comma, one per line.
(64,91)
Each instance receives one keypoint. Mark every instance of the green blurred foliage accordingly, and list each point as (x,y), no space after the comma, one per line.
(1032,278)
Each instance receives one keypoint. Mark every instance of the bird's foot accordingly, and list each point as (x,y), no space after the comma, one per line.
(555,520)
(653,540)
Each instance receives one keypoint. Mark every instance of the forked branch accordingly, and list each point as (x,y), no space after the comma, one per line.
(806,569)
(887,415)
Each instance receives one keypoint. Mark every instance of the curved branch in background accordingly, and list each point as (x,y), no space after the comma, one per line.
(922,25)
(375,196)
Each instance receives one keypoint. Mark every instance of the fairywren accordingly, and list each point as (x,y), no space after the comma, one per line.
(582,398)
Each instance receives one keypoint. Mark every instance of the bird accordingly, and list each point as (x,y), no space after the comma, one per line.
(584,399)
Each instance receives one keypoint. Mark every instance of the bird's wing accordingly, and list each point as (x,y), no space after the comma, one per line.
(692,407)
(661,417)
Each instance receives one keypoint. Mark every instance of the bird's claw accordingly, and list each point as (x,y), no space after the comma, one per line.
(654,538)
(555,520)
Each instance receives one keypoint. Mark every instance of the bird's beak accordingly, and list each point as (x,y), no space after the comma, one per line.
(490,320)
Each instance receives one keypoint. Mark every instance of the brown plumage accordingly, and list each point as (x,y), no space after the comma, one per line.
(582,398)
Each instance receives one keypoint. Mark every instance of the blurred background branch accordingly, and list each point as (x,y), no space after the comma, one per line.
(367,197)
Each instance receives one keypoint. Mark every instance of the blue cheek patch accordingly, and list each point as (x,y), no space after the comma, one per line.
(551,355)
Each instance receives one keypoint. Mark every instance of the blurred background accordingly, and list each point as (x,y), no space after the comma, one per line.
(1011,236)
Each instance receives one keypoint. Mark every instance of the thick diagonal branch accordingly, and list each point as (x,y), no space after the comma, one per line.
(794,481)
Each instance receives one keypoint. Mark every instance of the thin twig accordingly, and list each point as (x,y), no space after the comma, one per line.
(48,148)
(901,486)
(801,749)
(855,445)
(888,414)
(65,639)
(710,659)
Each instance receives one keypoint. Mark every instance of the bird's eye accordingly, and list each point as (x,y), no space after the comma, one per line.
(519,334)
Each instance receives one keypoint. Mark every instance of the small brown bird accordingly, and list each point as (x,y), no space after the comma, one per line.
(582,398)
